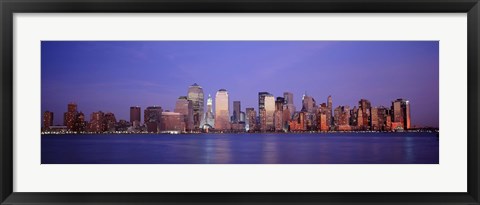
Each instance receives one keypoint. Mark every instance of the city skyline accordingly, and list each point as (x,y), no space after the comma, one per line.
(414,65)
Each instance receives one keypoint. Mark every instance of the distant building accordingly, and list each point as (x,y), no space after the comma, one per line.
(342,116)
(47,120)
(135,118)
(195,94)
(251,119)
(262,115)
(172,122)
(110,122)
(69,116)
(261,99)
(96,122)
(299,122)
(80,124)
(278,114)
(288,96)
(152,118)
(209,119)
(185,107)
(270,111)
(236,111)
(222,113)
(329,111)
(365,106)
(401,113)
(374,122)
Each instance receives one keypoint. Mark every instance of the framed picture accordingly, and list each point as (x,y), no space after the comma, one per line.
(254,102)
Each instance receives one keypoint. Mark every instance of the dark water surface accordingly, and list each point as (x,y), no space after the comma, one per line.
(329,148)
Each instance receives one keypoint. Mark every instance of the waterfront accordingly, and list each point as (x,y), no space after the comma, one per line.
(267,148)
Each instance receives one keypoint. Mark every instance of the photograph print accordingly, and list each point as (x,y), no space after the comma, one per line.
(240,102)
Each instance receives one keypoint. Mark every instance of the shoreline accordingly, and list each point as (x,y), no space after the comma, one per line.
(220,133)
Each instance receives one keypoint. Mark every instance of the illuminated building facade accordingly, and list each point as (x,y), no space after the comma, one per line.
(222,114)
(135,118)
(152,118)
(185,107)
(195,94)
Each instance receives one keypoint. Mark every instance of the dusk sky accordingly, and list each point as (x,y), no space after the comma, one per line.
(111,76)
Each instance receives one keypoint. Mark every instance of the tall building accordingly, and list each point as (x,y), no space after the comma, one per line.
(299,122)
(80,124)
(330,111)
(261,99)
(269,112)
(96,122)
(401,113)
(262,119)
(278,114)
(365,106)
(152,118)
(323,121)
(222,114)
(342,118)
(172,122)
(69,116)
(195,94)
(236,111)
(374,122)
(109,122)
(47,120)
(209,119)
(251,119)
(288,96)
(185,107)
(135,118)
(309,103)
(382,118)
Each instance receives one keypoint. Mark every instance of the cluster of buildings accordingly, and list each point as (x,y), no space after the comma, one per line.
(275,114)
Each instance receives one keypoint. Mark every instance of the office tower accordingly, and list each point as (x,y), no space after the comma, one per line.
(365,106)
(329,111)
(195,94)
(152,118)
(278,114)
(382,118)
(172,122)
(262,114)
(401,114)
(209,119)
(242,116)
(288,96)
(269,112)
(80,124)
(185,107)
(222,114)
(354,116)
(309,103)
(322,122)
(374,122)
(96,122)
(69,116)
(261,99)
(135,113)
(47,120)
(109,121)
(287,116)
(251,119)
(342,118)
(360,119)
(236,111)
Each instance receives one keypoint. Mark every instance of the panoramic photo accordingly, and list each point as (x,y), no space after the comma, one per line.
(240,102)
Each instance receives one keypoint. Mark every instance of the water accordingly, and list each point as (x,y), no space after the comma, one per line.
(331,148)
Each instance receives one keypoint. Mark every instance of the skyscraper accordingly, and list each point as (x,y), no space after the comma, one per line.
(269,111)
(278,114)
(185,107)
(251,119)
(288,96)
(261,100)
(365,106)
(195,94)
(330,111)
(401,113)
(153,117)
(47,120)
(135,118)
(209,119)
(222,113)
(109,121)
(236,111)
(96,122)
(69,116)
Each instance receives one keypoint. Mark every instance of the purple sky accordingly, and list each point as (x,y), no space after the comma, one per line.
(111,76)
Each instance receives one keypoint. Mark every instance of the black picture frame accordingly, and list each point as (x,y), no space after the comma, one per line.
(9,7)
